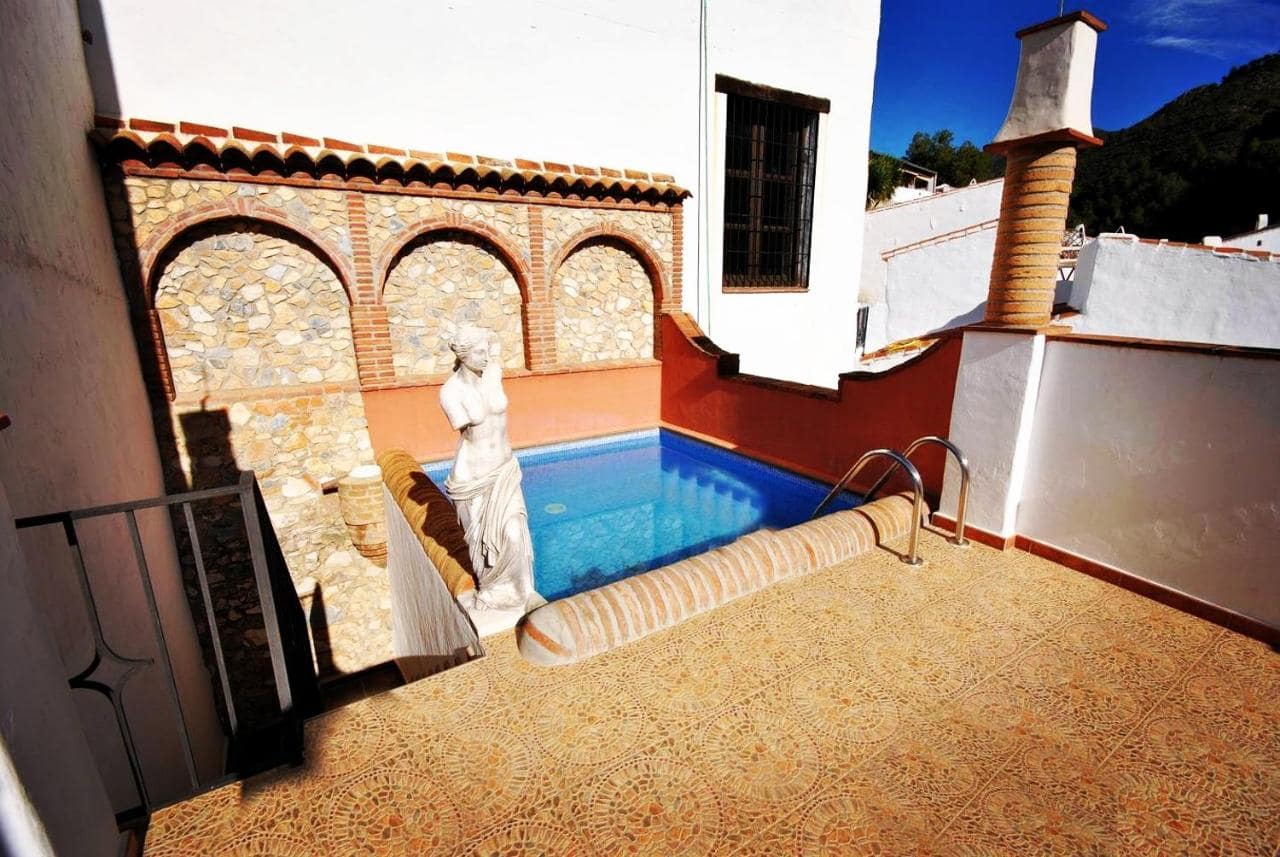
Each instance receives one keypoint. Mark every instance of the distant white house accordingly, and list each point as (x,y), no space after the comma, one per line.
(1263,237)
(926,262)
(1132,287)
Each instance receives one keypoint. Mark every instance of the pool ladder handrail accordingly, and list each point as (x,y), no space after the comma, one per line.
(961,504)
(917,489)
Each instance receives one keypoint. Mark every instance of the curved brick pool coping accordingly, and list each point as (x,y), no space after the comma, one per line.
(569,629)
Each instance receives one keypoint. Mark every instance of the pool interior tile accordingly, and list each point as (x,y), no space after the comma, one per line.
(987,703)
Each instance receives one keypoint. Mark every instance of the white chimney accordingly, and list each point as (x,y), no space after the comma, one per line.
(1055,80)
(1262,223)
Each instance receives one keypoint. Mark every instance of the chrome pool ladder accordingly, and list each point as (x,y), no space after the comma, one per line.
(917,490)
(902,459)
(962,502)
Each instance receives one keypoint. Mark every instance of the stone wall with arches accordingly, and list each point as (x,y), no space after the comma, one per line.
(279,312)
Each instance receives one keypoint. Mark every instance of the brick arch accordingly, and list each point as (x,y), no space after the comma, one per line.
(643,252)
(420,233)
(162,247)
(158,250)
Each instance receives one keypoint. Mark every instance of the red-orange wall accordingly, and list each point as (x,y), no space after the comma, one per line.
(806,428)
(545,408)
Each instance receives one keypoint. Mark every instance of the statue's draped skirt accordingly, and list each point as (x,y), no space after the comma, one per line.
(485,506)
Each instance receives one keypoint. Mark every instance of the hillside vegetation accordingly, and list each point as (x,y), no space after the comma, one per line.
(1207,163)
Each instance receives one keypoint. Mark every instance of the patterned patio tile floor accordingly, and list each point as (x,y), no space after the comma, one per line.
(986,703)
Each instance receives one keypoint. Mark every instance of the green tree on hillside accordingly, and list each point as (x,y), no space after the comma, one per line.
(882,178)
(1207,163)
(955,165)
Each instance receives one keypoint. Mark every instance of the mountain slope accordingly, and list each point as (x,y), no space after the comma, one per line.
(1204,164)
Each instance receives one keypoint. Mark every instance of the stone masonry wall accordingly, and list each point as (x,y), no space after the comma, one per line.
(155,201)
(652,228)
(604,306)
(391,217)
(452,279)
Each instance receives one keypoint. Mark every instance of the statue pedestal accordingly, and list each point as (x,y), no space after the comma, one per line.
(492,620)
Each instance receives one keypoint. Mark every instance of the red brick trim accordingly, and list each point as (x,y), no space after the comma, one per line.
(238,208)
(253,136)
(371,335)
(653,266)
(299,140)
(206,130)
(940,239)
(1261,255)
(1229,619)
(977,534)
(1060,334)
(365,291)
(1064,135)
(540,313)
(342,145)
(453,222)
(150,125)
(1069,18)
(161,351)
(675,299)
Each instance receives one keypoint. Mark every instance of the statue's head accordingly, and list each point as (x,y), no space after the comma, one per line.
(470,347)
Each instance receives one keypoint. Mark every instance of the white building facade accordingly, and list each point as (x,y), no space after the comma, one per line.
(643,86)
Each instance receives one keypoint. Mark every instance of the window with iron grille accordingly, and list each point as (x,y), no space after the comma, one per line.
(770,158)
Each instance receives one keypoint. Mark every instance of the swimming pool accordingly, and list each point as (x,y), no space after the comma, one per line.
(605,509)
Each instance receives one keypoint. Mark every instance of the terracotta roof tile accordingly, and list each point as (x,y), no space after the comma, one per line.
(197,146)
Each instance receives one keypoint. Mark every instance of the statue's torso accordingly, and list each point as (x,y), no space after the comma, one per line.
(483,446)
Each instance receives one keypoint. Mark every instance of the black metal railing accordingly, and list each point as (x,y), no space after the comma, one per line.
(296,689)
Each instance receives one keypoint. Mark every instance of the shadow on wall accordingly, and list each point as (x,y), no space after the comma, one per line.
(211,462)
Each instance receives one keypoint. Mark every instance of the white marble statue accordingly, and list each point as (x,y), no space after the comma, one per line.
(485,481)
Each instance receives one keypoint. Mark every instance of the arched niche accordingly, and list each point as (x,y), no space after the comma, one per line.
(446,277)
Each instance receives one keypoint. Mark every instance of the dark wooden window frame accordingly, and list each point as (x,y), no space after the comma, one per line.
(771,157)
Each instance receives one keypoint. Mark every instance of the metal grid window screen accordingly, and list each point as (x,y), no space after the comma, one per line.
(770,159)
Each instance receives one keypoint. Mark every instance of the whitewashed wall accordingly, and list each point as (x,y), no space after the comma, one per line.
(992,415)
(81,432)
(39,728)
(827,50)
(906,223)
(596,82)
(1124,287)
(938,286)
(1162,463)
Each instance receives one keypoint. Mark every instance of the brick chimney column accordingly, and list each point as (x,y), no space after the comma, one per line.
(1033,217)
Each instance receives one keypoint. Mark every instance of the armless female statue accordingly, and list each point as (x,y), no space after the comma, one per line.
(485,481)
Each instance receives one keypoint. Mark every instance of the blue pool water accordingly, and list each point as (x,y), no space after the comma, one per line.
(604,510)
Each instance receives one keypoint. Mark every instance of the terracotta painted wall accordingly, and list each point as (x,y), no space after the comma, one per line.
(809,429)
(544,409)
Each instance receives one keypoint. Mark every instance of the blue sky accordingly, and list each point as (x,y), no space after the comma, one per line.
(952,65)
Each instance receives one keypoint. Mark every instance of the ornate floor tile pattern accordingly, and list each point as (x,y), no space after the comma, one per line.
(987,703)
